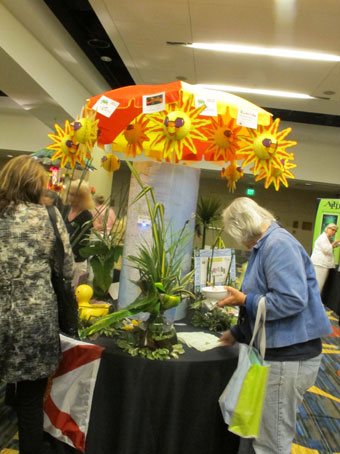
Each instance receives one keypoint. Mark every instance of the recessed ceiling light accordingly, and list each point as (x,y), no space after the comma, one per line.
(99,43)
(257,91)
(10,156)
(106,58)
(269,51)
(308,184)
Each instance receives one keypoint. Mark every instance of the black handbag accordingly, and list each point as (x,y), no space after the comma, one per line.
(67,303)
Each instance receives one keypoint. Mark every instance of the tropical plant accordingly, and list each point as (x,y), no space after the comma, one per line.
(104,250)
(208,212)
(159,265)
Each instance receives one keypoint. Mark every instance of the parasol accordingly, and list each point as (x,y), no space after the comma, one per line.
(182,123)
(175,121)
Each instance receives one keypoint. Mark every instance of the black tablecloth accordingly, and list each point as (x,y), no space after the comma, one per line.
(331,291)
(160,407)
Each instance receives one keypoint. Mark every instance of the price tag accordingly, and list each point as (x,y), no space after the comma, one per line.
(247,118)
(105,106)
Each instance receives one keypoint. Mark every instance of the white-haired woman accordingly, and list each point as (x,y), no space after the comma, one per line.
(280,270)
(323,254)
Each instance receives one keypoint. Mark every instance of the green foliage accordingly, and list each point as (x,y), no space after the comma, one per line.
(159,265)
(146,352)
(104,249)
(216,319)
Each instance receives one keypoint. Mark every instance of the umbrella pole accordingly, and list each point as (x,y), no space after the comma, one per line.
(176,187)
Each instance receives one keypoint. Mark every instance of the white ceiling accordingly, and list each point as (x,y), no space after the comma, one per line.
(47,77)
(140,31)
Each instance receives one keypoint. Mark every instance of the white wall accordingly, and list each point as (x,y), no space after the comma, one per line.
(288,205)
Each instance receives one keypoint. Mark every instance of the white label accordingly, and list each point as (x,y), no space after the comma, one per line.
(247,118)
(105,106)
(154,103)
(210,105)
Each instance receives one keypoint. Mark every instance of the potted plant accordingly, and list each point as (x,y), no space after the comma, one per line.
(160,281)
(103,252)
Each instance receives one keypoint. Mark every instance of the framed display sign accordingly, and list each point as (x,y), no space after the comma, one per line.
(221,262)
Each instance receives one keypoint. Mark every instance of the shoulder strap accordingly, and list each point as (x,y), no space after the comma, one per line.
(59,252)
(259,328)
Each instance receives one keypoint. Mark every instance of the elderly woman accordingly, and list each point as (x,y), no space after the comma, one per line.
(280,270)
(323,254)
(29,331)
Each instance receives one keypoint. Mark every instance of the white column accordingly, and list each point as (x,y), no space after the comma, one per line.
(175,186)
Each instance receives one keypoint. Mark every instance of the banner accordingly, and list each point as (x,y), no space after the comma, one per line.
(69,396)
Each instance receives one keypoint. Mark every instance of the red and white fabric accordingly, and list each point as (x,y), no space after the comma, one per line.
(68,403)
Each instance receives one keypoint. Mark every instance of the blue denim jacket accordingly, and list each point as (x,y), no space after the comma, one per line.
(280,269)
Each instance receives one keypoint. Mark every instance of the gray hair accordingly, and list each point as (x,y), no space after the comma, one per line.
(244,220)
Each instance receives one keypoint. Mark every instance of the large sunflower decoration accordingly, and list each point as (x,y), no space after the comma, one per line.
(176,128)
(135,136)
(75,143)
(266,148)
(223,137)
(278,175)
(86,131)
(65,147)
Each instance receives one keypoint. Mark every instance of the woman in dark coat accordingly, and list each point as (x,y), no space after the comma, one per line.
(29,331)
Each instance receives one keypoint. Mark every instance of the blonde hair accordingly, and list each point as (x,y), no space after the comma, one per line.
(82,194)
(331,226)
(22,179)
(244,220)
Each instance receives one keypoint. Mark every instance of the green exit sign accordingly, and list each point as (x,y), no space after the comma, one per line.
(250,191)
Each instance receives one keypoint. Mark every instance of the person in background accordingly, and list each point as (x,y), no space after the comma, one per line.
(323,254)
(101,213)
(29,330)
(50,198)
(78,220)
(280,270)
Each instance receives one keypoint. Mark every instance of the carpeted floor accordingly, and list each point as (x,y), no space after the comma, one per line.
(318,422)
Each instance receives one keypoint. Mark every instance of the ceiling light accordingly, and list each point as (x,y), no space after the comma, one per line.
(270,51)
(10,156)
(106,58)
(257,91)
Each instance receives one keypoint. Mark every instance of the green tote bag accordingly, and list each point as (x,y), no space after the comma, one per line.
(242,400)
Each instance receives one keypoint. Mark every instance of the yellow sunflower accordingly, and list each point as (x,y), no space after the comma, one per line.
(277,175)
(266,148)
(135,135)
(65,146)
(177,127)
(86,131)
(223,137)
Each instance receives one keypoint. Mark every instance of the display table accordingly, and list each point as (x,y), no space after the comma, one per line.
(160,407)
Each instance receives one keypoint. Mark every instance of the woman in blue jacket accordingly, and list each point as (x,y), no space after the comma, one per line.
(280,270)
